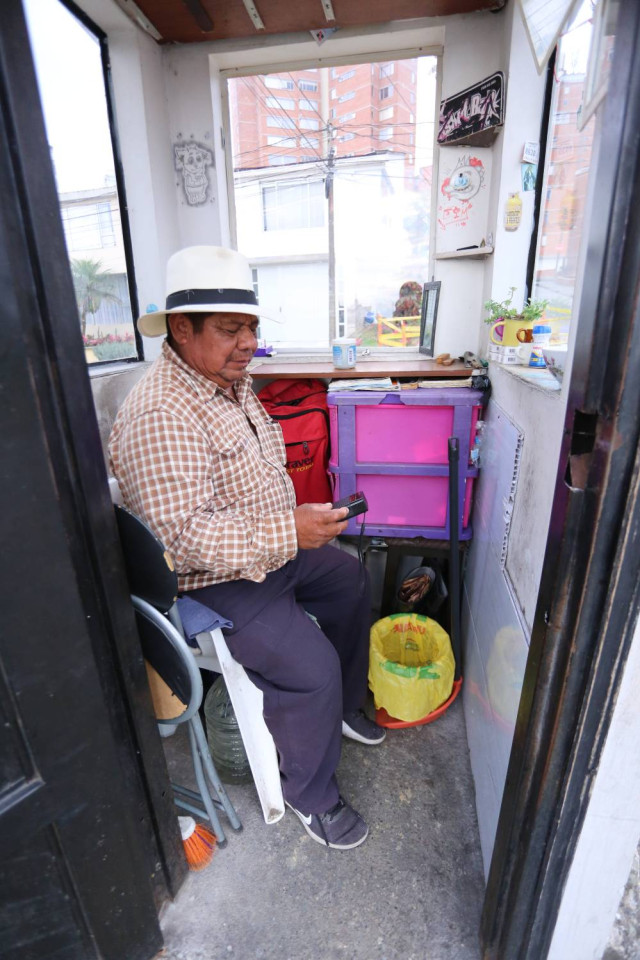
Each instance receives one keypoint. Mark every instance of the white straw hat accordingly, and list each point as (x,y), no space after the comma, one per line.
(204,280)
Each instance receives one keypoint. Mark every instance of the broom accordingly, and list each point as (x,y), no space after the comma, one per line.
(199,843)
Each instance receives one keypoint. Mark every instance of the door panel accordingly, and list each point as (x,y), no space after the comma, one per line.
(89,842)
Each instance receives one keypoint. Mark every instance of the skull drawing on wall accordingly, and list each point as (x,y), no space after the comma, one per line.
(192,160)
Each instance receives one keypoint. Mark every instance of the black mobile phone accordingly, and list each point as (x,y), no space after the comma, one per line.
(357,503)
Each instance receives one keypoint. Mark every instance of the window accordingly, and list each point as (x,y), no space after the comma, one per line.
(280,103)
(293,206)
(308,104)
(346,76)
(378,237)
(279,83)
(74,102)
(287,142)
(105,225)
(565,181)
(310,86)
(385,92)
(285,123)
(387,70)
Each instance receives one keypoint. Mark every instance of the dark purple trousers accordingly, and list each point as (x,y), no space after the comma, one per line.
(309,676)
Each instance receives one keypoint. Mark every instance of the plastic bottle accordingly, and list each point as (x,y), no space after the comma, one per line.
(223,735)
(474,453)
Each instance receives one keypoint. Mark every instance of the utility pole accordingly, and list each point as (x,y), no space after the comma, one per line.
(328,191)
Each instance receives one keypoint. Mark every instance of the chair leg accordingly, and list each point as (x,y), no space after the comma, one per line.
(203,749)
(203,787)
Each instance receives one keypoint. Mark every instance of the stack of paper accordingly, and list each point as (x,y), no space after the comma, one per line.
(466,382)
(363,383)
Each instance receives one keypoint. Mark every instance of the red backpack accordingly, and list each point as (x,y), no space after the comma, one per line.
(300,407)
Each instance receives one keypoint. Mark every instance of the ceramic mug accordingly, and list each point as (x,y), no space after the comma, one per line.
(525,335)
(531,355)
(505,332)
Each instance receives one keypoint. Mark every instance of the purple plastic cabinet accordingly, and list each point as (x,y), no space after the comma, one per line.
(394,447)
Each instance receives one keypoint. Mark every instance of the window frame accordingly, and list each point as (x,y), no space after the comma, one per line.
(331,63)
(105,60)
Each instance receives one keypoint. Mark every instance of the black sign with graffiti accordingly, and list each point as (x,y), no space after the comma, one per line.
(474,112)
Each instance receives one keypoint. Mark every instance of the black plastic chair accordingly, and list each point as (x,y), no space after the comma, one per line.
(154,587)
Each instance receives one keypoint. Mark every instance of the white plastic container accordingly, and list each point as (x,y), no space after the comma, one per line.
(344,353)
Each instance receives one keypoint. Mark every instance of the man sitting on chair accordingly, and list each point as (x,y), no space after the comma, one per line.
(199,459)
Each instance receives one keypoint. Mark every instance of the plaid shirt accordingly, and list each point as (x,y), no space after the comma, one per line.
(206,472)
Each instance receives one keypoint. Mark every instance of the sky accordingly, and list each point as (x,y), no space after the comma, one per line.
(69,69)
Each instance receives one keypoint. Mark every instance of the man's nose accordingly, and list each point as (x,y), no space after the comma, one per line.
(247,339)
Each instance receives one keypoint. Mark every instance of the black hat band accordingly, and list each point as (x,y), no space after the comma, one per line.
(188,298)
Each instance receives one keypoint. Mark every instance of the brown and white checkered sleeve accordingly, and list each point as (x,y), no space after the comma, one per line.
(164,468)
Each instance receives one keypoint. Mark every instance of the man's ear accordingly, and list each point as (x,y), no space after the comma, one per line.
(180,326)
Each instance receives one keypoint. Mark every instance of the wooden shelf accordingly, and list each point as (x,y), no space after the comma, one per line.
(427,369)
(478,253)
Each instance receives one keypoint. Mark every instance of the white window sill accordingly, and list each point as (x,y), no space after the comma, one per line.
(117,366)
(540,378)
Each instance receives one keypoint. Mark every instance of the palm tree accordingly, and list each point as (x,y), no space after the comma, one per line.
(92,285)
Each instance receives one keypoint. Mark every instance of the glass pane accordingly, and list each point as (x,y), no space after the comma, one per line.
(74,103)
(334,214)
(565,181)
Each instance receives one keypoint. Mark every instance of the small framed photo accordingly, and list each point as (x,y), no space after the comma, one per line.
(428,317)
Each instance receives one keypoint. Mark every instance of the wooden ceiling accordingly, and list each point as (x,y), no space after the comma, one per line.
(193,21)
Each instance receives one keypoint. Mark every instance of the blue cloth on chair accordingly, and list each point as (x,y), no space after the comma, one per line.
(196,618)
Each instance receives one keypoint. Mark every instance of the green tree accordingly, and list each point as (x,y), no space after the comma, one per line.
(92,285)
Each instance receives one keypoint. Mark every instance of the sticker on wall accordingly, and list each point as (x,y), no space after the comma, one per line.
(529,176)
(191,160)
(513,212)
(463,197)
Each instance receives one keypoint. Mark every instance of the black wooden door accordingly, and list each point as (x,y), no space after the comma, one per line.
(89,843)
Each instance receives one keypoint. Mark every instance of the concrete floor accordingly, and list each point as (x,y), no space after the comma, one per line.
(412,891)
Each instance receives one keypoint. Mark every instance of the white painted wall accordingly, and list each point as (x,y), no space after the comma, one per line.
(609,835)
(473,50)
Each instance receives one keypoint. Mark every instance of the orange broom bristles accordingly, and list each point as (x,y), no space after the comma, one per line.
(198,841)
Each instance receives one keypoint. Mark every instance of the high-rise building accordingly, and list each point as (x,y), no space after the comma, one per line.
(297,117)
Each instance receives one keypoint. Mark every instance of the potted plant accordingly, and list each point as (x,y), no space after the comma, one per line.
(509,325)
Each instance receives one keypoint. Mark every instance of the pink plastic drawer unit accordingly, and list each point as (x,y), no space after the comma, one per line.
(393,446)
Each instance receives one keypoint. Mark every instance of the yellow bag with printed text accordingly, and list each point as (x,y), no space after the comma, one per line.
(411,665)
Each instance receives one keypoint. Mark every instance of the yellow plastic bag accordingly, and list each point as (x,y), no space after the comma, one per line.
(411,665)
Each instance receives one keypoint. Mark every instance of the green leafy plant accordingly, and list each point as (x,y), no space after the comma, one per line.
(92,285)
(533,310)
(502,310)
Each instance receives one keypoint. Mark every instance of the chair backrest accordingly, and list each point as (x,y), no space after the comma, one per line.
(166,651)
(149,567)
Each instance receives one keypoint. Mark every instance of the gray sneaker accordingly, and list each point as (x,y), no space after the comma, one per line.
(357,726)
(341,827)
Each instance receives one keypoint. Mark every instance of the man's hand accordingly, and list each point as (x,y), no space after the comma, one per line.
(318,523)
